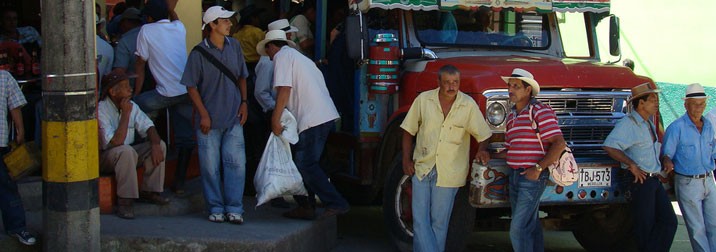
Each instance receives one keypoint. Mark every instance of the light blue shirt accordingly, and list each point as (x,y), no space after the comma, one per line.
(691,151)
(263,89)
(631,135)
(109,117)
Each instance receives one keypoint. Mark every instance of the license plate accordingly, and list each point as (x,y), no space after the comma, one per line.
(595,177)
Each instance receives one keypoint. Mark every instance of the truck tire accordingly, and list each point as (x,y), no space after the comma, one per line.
(606,229)
(397,212)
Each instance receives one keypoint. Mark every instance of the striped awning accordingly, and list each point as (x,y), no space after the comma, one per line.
(519,5)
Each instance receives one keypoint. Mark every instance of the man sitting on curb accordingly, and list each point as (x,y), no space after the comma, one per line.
(119,117)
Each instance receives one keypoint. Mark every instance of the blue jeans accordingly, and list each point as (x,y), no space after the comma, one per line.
(307,156)
(525,226)
(223,147)
(432,206)
(697,200)
(180,110)
(653,216)
(13,213)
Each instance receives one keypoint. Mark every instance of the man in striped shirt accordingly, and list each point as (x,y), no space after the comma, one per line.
(529,123)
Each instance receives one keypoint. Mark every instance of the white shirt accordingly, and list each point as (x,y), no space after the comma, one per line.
(108,115)
(309,100)
(105,56)
(304,32)
(163,45)
(263,90)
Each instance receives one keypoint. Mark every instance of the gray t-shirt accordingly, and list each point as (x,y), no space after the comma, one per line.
(220,95)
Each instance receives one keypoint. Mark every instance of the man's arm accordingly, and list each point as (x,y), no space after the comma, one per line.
(407,144)
(205,123)
(16,115)
(621,157)
(243,107)
(139,70)
(156,142)
(263,91)
(121,133)
(557,145)
(283,93)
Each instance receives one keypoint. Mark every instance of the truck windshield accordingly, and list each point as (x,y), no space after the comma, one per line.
(482,27)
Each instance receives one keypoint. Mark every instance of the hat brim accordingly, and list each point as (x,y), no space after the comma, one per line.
(532,82)
(261,46)
(653,91)
(696,97)
(292,29)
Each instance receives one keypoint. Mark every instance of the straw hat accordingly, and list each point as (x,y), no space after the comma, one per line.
(695,91)
(282,24)
(523,75)
(273,35)
(642,90)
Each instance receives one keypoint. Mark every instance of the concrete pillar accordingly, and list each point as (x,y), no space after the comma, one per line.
(69,127)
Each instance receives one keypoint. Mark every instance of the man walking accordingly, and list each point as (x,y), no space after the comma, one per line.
(634,143)
(437,181)
(689,149)
(534,141)
(221,112)
(302,90)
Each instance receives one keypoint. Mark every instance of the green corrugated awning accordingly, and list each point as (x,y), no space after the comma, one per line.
(596,6)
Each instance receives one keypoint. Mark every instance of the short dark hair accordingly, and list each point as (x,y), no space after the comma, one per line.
(447,69)
(635,101)
(277,43)
(208,26)
(119,8)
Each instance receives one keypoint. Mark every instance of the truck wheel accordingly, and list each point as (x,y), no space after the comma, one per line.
(398,216)
(606,229)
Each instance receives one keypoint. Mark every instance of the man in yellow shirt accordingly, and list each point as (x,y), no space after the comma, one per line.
(443,119)
(249,34)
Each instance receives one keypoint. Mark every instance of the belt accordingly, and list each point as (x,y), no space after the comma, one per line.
(700,176)
(652,174)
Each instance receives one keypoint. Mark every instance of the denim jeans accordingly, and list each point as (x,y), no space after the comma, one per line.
(653,216)
(307,156)
(13,213)
(223,148)
(525,227)
(180,110)
(697,200)
(432,206)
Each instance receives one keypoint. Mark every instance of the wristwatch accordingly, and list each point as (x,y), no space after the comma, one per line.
(538,167)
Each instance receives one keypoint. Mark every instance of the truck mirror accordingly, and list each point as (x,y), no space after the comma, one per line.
(614,36)
(356,29)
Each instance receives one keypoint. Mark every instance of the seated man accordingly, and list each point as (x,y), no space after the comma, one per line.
(119,117)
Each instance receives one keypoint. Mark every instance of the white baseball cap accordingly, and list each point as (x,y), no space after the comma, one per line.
(215,12)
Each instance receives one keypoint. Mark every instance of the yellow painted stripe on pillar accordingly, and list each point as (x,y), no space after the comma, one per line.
(70,151)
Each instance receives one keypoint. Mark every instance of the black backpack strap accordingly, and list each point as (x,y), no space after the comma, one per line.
(217,63)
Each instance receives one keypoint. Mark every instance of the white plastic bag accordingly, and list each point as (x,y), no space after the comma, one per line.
(276,174)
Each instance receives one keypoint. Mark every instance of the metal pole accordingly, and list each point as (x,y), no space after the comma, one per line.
(69,127)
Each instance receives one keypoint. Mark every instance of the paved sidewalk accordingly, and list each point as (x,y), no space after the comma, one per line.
(158,228)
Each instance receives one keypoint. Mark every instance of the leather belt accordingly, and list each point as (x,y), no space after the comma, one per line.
(652,174)
(700,176)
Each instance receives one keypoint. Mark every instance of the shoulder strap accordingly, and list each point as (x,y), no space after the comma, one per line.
(217,63)
(535,126)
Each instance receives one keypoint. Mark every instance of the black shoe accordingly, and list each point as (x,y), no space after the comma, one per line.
(280,203)
(25,237)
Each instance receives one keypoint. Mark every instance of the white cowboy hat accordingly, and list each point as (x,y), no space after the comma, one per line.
(524,75)
(273,36)
(282,24)
(694,91)
(214,13)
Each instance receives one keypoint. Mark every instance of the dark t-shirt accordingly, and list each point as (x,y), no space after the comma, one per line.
(220,95)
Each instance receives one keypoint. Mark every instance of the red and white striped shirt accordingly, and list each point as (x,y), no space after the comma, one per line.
(523,148)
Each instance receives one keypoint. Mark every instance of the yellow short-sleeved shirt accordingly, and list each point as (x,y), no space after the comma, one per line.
(249,36)
(444,143)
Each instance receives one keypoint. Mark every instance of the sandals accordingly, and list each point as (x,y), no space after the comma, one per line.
(216,217)
(125,210)
(235,218)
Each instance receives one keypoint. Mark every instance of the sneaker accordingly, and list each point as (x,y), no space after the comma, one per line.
(25,237)
(235,218)
(216,217)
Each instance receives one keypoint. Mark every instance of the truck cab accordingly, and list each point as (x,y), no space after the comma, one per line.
(558,41)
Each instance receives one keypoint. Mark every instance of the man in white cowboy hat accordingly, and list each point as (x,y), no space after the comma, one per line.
(221,112)
(689,149)
(527,159)
(635,144)
(302,90)
(266,96)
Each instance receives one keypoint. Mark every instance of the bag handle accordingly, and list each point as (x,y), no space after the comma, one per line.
(225,70)
(535,127)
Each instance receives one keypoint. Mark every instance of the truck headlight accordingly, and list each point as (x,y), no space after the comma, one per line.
(496,113)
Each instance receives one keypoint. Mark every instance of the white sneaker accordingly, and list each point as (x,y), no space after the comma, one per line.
(235,218)
(216,217)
